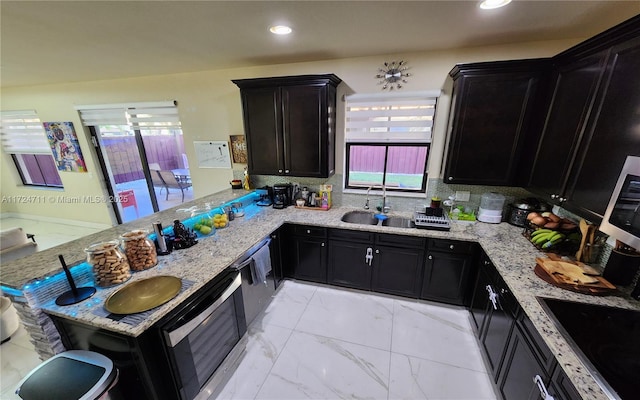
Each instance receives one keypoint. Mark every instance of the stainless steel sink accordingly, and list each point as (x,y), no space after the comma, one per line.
(360,217)
(399,222)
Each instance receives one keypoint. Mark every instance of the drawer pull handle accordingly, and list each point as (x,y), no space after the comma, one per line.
(451,246)
(369,256)
(542,388)
(493,297)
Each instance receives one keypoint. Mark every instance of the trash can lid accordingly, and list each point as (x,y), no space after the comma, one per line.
(73,374)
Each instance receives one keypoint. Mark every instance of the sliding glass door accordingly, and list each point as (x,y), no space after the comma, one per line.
(129,161)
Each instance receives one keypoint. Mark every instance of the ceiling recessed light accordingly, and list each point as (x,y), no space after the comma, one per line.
(491,4)
(280,30)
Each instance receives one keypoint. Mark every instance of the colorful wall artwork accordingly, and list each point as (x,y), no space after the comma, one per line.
(64,146)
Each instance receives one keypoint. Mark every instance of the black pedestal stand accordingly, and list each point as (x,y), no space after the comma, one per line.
(75,295)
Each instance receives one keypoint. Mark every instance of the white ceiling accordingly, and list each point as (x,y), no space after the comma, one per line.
(46,42)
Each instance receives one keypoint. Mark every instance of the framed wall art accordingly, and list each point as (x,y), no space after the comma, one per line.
(238,149)
(64,146)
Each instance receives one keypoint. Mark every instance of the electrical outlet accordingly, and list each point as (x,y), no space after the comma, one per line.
(462,195)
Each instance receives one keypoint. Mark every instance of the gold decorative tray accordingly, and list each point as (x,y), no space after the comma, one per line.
(143,295)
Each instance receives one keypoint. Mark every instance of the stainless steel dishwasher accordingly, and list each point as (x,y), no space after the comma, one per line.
(256,295)
(205,339)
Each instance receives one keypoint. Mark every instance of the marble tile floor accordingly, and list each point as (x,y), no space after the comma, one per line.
(317,342)
(18,358)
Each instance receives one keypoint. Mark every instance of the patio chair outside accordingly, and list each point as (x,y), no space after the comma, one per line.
(157,180)
(172,182)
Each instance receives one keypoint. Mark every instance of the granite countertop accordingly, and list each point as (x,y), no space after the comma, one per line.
(512,254)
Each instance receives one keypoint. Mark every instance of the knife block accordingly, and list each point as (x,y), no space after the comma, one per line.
(621,267)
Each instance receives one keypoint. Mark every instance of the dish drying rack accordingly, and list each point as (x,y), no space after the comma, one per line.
(435,222)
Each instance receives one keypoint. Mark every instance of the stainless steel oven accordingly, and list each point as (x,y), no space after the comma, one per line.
(205,337)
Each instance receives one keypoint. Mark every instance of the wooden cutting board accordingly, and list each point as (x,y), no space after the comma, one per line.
(570,276)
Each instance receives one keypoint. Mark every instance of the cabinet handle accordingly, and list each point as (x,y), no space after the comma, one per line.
(286,171)
(493,297)
(451,246)
(487,262)
(377,251)
(273,236)
(322,244)
(553,196)
(309,231)
(430,257)
(450,178)
(369,256)
(562,199)
(542,388)
(279,171)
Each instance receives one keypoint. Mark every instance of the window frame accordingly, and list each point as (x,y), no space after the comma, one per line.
(21,173)
(359,132)
(423,188)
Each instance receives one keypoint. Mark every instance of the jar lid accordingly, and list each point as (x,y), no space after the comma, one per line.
(134,234)
(523,205)
(101,247)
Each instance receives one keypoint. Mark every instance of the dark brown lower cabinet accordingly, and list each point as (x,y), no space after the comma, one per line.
(383,263)
(561,388)
(397,270)
(521,370)
(307,253)
(349,265)
(449,267)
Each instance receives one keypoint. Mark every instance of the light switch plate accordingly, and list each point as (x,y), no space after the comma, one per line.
(462,195)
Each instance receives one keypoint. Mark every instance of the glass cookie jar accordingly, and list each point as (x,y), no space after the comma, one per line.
(109,263)
(139,249)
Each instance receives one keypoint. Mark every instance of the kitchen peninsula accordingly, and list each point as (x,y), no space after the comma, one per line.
(513,256)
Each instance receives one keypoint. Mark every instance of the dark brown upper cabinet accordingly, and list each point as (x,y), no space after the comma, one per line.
(289,124)
(591,123)
(492,120)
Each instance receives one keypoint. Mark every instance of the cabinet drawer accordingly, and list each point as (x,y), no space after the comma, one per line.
(309,231)
(400,241)
(452,246)
(352,236)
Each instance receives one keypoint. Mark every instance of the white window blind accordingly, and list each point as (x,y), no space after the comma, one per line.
(390,117)
(21,132)
(140,116)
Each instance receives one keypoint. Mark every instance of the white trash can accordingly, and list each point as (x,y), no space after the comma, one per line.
(72,375)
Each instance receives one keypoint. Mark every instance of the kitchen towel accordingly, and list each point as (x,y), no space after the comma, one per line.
(261,265)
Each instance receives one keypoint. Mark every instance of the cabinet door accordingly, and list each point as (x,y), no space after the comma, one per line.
(397,270)
(520,369)
(498,325)
(561,388)
(305,125)
(309,258)
(349,265)
(262,125)
(446,276)
(480,300)
(613,134)
(488,127)
(571,105)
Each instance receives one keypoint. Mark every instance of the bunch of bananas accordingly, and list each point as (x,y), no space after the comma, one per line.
(546,238)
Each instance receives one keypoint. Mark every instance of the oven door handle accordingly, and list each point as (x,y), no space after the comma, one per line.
(175,336)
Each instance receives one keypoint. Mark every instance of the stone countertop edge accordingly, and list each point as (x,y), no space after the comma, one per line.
(511,253)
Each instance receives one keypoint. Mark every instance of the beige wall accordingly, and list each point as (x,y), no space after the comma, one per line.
(209,106)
